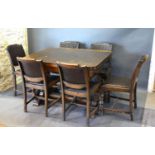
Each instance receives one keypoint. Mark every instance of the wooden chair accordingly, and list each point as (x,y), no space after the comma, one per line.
(70,44)
(36,77)
(126,85)
(107,47)
(104,47)
(15,51)
(76,83)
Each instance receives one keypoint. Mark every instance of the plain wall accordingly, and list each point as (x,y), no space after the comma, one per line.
(128,44)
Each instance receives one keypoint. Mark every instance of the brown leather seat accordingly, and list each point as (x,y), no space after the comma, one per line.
(82,92)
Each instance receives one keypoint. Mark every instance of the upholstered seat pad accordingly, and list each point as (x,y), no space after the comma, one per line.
(52,80)
(117,83)
(82,92)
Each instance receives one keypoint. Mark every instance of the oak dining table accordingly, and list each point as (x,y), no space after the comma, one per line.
(93,59)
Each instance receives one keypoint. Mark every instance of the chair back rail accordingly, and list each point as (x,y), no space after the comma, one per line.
(32,70)
(70,44)
(102,46)
(73,76)
(135,74)
(15,51)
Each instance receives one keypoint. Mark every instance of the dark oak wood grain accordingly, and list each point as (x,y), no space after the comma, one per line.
(75,81)
(93,59)
(36,78)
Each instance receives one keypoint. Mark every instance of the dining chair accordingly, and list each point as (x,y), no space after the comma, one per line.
(107,47)
(104,47)
(70,44)
(14,51)
(36,77)
(76,83)
(125,85)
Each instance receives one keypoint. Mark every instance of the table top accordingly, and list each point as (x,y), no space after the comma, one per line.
(84,57)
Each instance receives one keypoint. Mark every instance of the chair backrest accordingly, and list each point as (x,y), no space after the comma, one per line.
(32,70)
(70,44)
(15,51)
(135,74)
(102,46)
(73,76)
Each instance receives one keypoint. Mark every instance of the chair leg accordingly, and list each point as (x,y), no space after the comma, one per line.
(135,97)
(63,108)
(46,104)
(98,108)
(100,102)
(131,116)
(88,122)
(15,85)
(131,106)
(88,111)
(25,99)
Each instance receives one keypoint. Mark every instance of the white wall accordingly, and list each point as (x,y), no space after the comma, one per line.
(152,69)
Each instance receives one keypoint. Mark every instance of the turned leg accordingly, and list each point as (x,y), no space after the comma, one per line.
(63,107)
(25,99)
(46,104)
(135,97)
(88,111)
(131,106)
(15,84)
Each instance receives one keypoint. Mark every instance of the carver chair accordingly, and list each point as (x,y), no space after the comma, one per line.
(15,51)
(36,77)
(76,83)
(125,85)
